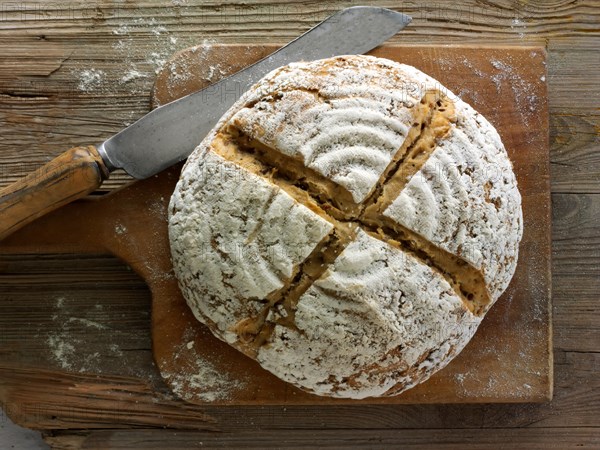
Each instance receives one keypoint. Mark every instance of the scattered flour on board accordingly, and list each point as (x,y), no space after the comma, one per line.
(120,229)
(518,371)
(184,70)
(522,90)
(465,88)
(505,76)
(203,378)
(152,255)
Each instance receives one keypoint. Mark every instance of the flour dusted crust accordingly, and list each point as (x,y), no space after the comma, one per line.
(465,200)
(347,224)
(368,326)
(235,238)
(342,122)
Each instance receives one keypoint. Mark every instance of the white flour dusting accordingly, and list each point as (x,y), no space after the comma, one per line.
(120,229)
(506,75)
(90,80)
(521,89)
(62,349)
(143,45)
(519,26)
(209,384)
(67,344)
(158,46)
(88,323)
(203,379)
(121,30)
(133,74)
(184,70)
(158,60)
(114,348)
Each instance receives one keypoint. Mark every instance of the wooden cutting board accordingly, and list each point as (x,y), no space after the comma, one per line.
(510,357)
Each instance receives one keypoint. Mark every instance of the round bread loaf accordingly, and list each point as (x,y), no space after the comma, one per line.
(347,223)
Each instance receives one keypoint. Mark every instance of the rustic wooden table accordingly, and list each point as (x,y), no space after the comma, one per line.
(75,350)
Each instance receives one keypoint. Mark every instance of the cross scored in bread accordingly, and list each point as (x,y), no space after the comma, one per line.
(358,266)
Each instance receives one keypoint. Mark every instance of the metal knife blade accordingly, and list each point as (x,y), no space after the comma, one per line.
(171,132)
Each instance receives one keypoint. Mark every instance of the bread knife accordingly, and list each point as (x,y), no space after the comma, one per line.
(169,133)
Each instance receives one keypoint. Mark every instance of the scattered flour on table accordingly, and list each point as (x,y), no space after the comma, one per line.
(114,348)
(159,45)
(133,74)
(90,80)
(143,45)
(88,323)
(519,26)
(68,349)
(62,349)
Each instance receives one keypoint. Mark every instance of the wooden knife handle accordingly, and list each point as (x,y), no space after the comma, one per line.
(69,176)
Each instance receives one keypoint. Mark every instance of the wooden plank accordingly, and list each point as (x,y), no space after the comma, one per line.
(576,271)
(99,324)
(576,240)
(502,19)
(50,399)
(509,438)
(575,314)
(575,125)
(98,64)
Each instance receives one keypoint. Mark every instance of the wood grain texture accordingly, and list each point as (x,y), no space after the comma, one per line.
(332,439)
(71,175)
(97,60)
(576,270)
(46,104)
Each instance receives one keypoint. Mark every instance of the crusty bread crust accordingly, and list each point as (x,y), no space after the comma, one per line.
(347,223)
